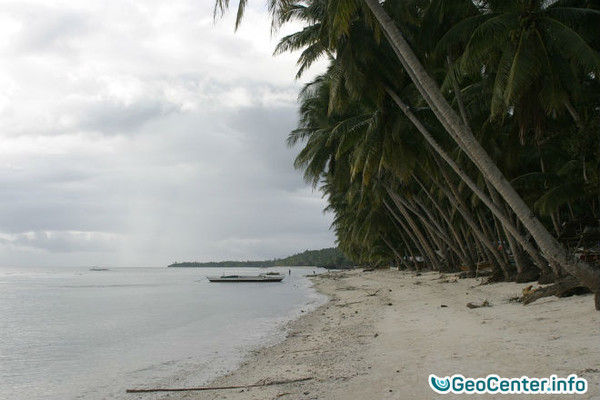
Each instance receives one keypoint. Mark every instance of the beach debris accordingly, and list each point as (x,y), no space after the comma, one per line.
(370,293)
(483,304)
(349,288)
(449,280)
(565,288)
(443,306)
(263,382)
(529,289)
(348,304)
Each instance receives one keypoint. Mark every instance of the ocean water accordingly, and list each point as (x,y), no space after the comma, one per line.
(72,333)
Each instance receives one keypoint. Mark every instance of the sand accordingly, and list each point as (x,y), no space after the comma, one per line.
(383,332)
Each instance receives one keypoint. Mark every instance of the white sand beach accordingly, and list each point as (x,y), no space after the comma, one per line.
(383,332)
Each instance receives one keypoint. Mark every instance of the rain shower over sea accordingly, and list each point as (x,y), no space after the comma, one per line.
(72,333)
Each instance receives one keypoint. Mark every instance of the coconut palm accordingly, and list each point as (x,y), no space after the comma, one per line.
(340,15)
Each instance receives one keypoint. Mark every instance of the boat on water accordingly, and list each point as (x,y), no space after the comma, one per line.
(268,277)
(98,269)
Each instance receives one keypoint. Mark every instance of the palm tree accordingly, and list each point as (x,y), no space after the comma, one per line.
(462,134)
(533,51)
(340,15)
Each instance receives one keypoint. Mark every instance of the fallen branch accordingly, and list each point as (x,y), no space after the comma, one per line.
(563,288)
(348,304)
(259,384)
(319,349)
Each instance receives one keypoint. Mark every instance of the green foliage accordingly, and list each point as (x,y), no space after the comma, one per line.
(324,258)
(524,76)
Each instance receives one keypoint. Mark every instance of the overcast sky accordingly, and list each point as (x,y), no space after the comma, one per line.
(140,132)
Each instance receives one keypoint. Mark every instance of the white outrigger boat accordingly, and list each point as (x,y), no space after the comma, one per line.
(269,277)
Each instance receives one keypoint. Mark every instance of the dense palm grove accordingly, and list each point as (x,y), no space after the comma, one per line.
(451,134)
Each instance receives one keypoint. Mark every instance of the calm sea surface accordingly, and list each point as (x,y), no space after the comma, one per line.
(72,333)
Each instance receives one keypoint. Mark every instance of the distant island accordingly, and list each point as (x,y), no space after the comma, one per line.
(325,258)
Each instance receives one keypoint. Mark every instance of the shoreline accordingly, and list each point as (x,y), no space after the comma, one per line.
(382,333)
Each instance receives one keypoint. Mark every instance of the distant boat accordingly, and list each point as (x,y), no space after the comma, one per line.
(98,269)
(269,277)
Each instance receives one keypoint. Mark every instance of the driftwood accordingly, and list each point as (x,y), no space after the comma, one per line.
(474,305)
(349,304)
(319,349)
(564,288)
(258,384)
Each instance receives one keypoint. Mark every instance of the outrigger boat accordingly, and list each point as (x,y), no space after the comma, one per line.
(269,277)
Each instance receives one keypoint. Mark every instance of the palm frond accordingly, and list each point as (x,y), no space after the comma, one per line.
(460,33)
(558,196)
(491,34)
(571,45)
(525,68)
(498,104)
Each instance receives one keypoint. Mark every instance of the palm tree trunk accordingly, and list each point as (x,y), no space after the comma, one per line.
(430,252)
(452,194)
(501,240)
(492,205)
(464,253)
(497,255)
(408,232)
(430,223)
(391,247)
(407,249)
(484,238)
(470,241)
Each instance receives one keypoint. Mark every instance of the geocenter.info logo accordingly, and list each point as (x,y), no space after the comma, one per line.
(458,384)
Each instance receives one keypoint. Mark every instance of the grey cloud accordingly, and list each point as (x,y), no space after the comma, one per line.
(46,29)
(64,242)
(113,118)
(141,142)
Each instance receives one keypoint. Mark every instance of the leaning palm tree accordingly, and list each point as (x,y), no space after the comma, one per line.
(462,134)
(362,66)
(340,15)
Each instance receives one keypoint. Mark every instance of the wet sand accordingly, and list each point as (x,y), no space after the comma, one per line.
(383,332)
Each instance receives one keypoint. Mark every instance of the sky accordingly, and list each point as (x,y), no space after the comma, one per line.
(142,132)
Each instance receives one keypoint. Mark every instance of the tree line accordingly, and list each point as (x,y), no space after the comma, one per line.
(324,258)
(457,132)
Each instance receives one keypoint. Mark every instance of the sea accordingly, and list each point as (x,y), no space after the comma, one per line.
(74,333)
